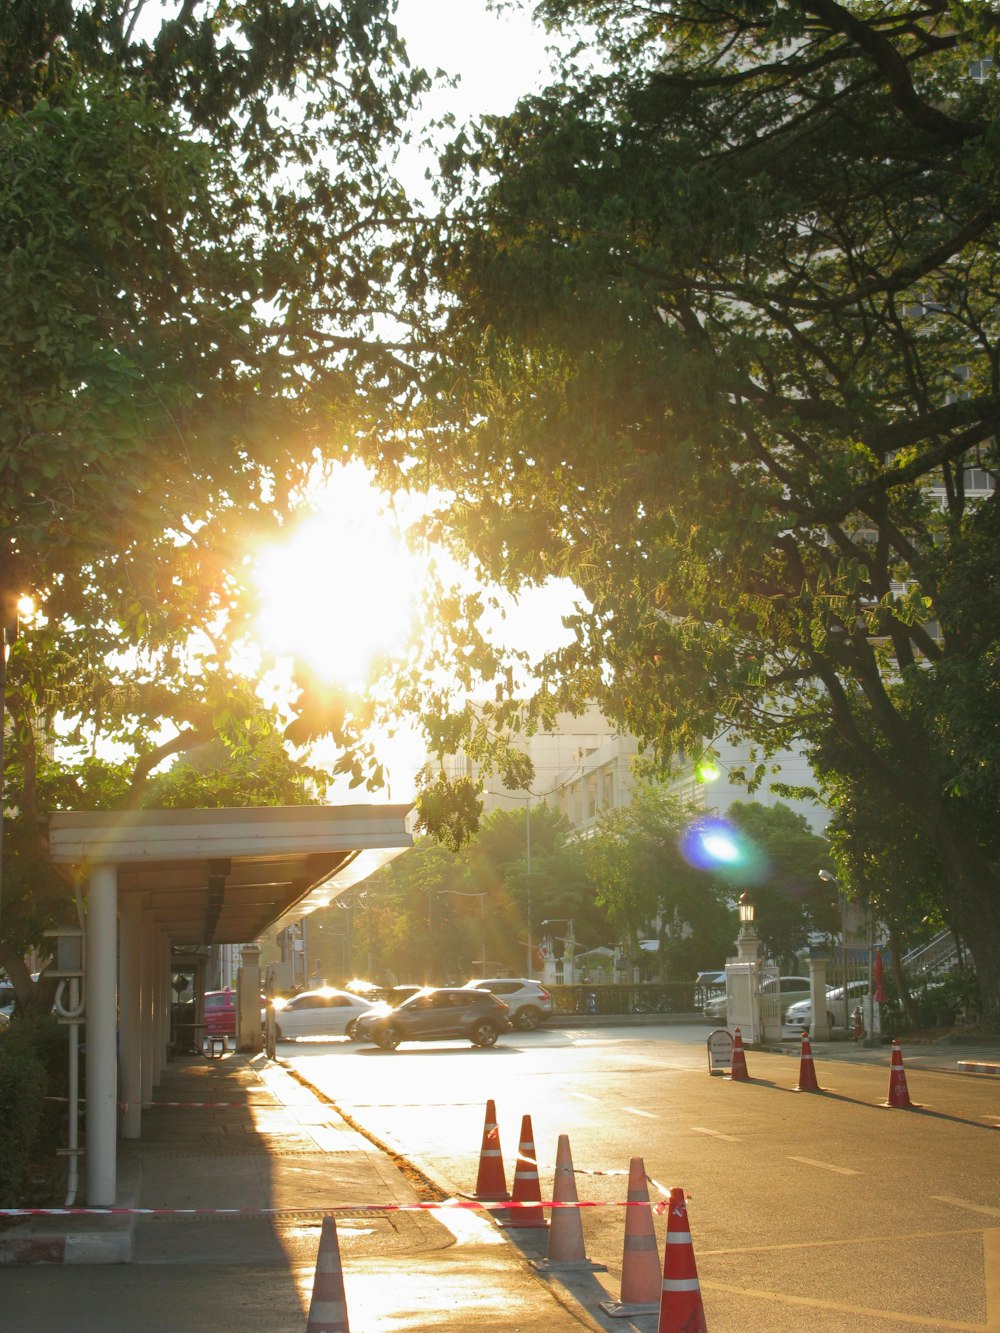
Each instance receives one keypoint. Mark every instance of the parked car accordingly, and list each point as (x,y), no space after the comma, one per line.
(709,986)
(715,1008)
(435,1014)
(791,989)
(220,1013)
(799,1015)
(529,1002)
(319,1013)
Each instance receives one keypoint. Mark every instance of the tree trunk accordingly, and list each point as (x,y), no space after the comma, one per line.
(33,997)
(899,976)
(974,895)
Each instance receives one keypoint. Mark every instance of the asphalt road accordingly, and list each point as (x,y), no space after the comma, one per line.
(823,1212)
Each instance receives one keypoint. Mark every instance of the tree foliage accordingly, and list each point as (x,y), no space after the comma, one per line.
(650,891)
(722,348)
(194,245)
(431,915)
(791,900)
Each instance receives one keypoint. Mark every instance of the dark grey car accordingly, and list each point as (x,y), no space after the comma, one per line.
(436,1015)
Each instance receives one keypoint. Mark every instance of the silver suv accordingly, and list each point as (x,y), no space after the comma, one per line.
(529,1002)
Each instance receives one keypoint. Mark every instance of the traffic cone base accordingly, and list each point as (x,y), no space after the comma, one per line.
(807,1072)
(739,1067)
(491,1183)
(527,1191)
(681,1309)
(328,1306)
(899,1094)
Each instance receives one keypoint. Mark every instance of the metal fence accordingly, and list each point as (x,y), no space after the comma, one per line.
(641,998)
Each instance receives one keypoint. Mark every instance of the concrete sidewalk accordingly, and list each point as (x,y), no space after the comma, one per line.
(240,1133)
(946,1055)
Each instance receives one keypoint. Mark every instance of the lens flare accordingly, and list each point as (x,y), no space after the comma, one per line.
(714,844)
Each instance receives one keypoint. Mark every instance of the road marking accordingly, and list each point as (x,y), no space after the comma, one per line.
(917,1320)
(634,1110)
(730,1138)
(826,1166)
(983,1208)
(991,1266)
(583,1096)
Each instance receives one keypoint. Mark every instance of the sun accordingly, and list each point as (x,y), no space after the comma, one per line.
(342,590)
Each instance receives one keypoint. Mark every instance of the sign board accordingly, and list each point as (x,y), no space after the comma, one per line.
(720,1051)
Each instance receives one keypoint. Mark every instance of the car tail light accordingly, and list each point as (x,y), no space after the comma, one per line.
(543,993)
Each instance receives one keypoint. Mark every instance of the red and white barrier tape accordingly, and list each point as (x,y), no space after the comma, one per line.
(472,1204)
(584,1171)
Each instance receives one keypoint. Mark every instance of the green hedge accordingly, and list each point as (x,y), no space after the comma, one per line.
(32,1070)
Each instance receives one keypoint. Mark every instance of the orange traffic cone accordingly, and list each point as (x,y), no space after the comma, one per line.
(527,1190)
(328,1306)
(739,1069)
(642,1279)
(681,1310)
(899,1094)
(566,1227)
(807,1072)
(491,1183)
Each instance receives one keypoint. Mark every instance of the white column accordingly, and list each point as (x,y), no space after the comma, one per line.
(819,1028)
(150,979)
(102,1065)
(130,1014)
(248,1032)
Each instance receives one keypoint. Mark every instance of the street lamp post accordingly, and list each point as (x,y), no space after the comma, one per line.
(748,941)
(527,830)
(743,986)
(8,633)
(457,893)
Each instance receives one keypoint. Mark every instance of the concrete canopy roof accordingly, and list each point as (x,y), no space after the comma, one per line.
(227,876)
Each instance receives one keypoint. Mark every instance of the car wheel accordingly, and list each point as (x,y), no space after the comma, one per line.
(388,1038)
(528,1019)
(483,1034)
(352,1029)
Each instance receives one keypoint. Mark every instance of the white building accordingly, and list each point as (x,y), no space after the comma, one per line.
(585,765)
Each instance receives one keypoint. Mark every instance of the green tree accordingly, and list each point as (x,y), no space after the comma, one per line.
(791,899)
(891,866)
(722,348)
(648,889)
(437,910)
(193,234)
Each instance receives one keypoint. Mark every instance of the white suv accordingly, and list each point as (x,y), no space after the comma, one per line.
(528,1001)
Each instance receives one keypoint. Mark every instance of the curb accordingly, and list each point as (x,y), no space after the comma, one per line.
(970,1067)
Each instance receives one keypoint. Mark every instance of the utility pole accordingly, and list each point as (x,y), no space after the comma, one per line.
(8,633)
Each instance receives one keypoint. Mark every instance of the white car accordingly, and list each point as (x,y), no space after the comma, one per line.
(319,1013)
(528,1001)
(799,1015)
(791,989)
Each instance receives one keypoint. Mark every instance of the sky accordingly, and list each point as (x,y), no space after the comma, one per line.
(497,58)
